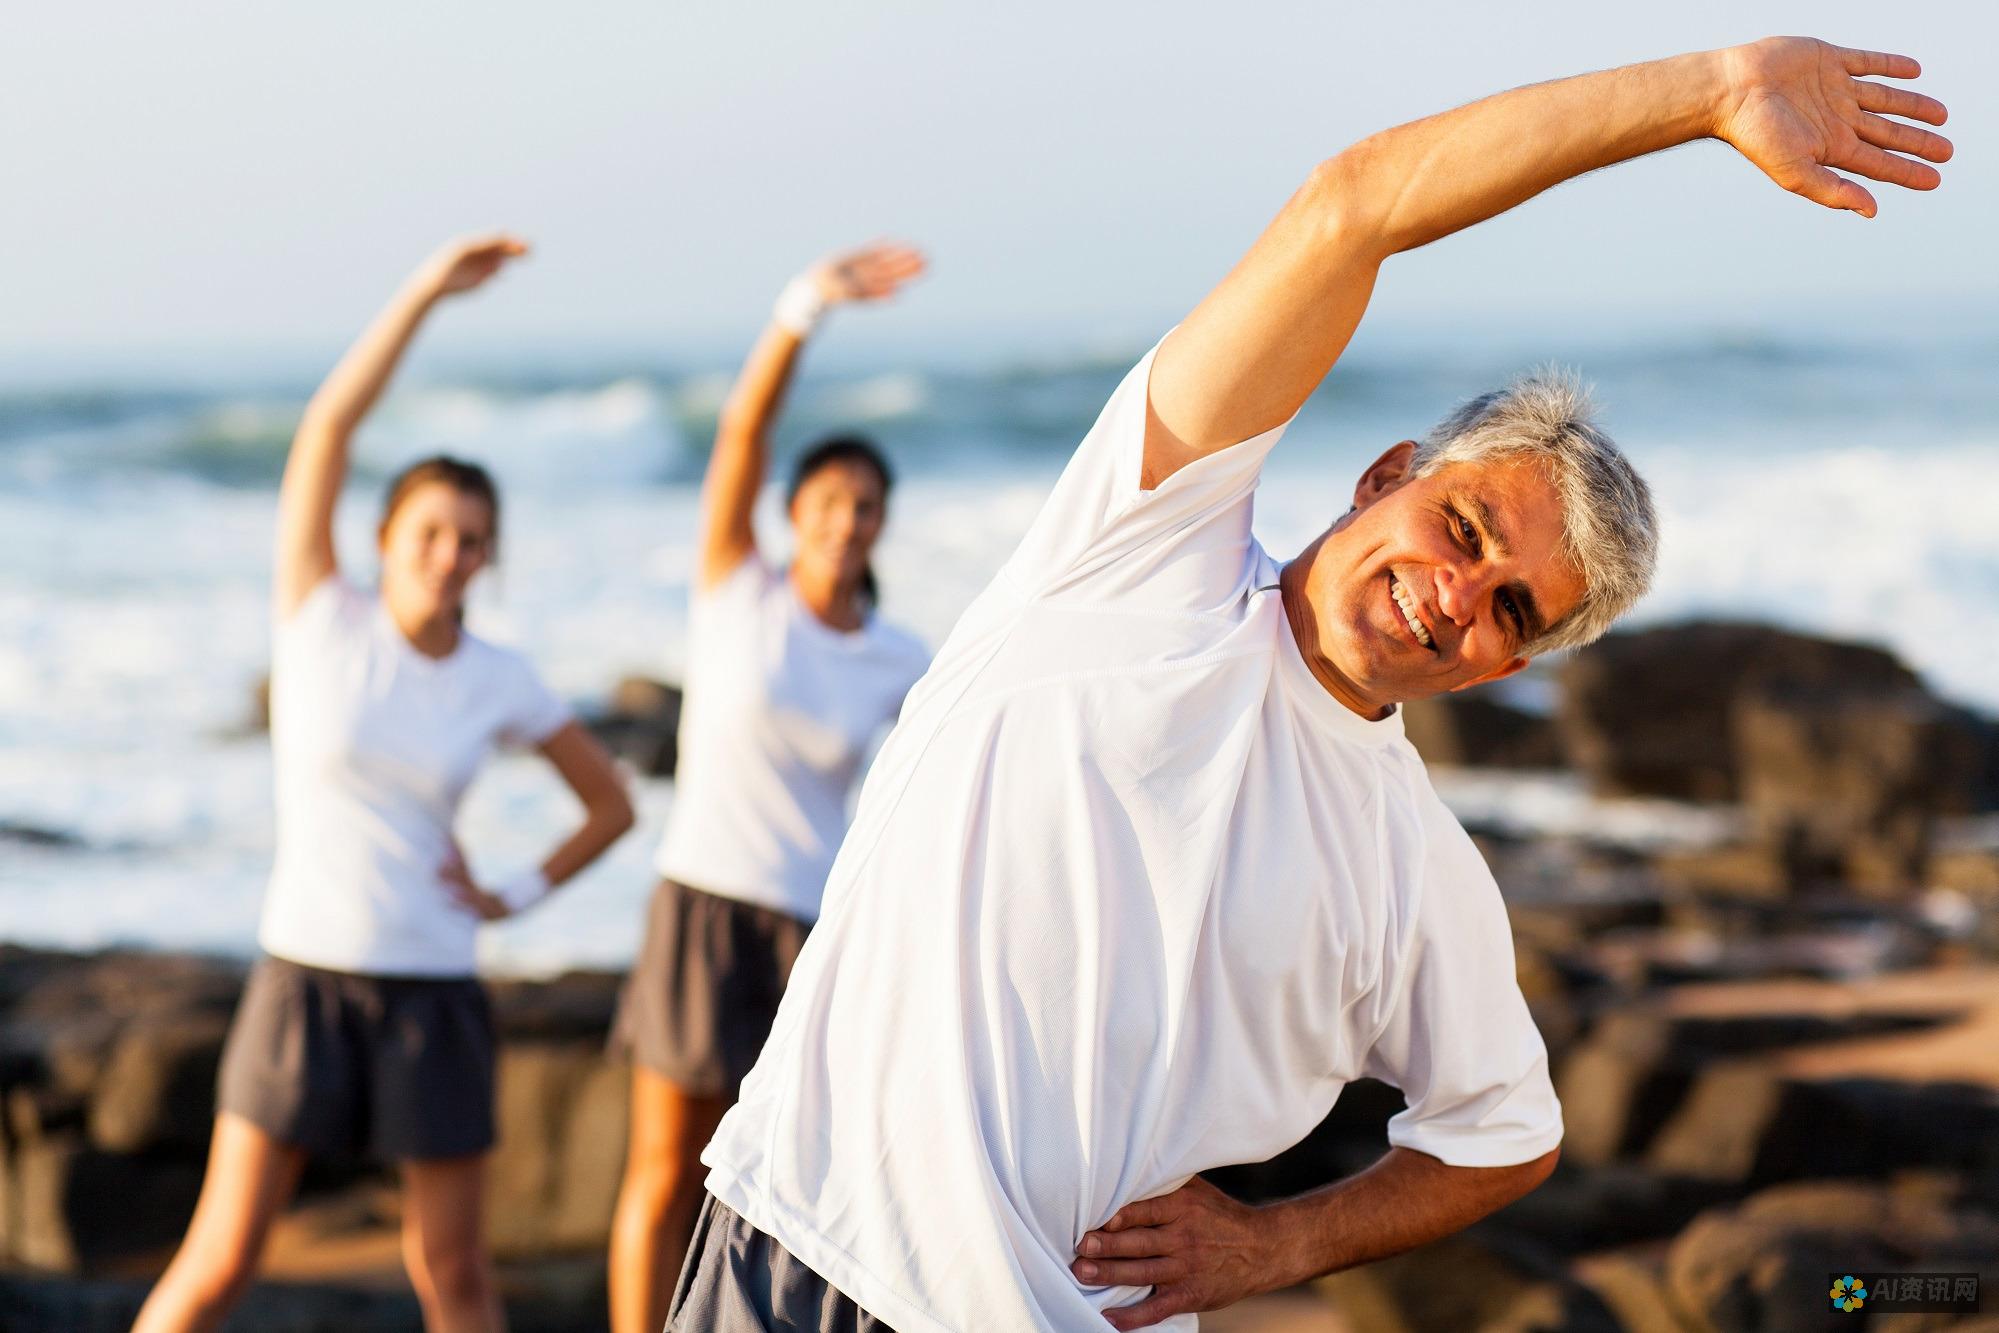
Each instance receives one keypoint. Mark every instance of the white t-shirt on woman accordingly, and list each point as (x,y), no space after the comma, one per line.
(779,712)
(373,746)
(1128,895)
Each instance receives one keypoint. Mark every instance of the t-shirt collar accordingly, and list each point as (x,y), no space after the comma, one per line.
(1317,701)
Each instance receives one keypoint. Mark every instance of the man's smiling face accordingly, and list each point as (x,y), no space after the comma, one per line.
(1431,583)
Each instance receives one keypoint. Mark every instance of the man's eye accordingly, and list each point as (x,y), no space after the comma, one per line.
(1468,532)
(1512,609)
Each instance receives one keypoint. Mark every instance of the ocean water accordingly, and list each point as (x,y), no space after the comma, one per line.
(1843,488)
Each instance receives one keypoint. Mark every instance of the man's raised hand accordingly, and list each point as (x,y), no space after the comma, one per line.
(1804,110)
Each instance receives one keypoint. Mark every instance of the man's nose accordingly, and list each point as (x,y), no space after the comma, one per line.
(1458,593)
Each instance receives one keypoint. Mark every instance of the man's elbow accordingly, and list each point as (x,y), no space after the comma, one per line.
(1530,1176)
(1342,201)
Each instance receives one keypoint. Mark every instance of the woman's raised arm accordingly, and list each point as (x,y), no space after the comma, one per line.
(317,466)
(742,436)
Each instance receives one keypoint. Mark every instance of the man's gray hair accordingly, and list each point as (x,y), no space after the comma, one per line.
(1609,530)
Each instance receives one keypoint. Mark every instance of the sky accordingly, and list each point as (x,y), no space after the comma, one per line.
(254,178)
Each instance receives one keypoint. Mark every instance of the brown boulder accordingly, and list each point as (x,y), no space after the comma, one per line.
(1848,783)
(157,1089)
(1633,1284)
(641,723)
(1651,712)
(1763,1264)
(563,1120)
(1473,731)
(1466,1281)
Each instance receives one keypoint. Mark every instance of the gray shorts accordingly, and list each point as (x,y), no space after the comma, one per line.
(399,1068)
(699,1002)
(738,1280)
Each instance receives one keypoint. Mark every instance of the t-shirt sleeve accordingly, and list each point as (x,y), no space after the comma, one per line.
(1460,1043)
(737,594)
(334,610)
(534,711)
(1185,544)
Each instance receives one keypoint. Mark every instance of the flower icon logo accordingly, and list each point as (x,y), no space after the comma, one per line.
(1848,1294)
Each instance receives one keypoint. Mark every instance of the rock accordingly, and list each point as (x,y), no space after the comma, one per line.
(107,1076)
(1581,1209)
(1704,1095)
(1763,1264)
(1632,1283)
(1719,1130)
(1743,870)
(1546,987)
(158,1086)
(563,1118)
(1617,1086)
(72,1209)
(1849,782)
(579,1004)
(1472,731)
(1651,712)
(36,835)
(641,725)
(1473,1280)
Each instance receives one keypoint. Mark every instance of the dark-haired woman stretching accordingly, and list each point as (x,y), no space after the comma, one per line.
(363,1027)
(791,675)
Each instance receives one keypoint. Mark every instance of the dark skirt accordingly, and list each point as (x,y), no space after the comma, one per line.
(700,1001)
(399,1068)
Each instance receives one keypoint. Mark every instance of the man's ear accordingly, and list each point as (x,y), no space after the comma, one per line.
(1384,474)
(1507,668)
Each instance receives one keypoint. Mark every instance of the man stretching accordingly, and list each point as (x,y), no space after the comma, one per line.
(1147,871)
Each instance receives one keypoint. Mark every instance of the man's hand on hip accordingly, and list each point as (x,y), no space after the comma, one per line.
(1197,1249)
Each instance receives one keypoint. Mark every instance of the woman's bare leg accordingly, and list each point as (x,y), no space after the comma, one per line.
(250,1178)
(444,1245)
(659,1199)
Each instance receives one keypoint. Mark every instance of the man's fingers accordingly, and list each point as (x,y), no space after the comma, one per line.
(1886,101)
(1897,137)
(1880,63)
(1159,1305)
(1823,186)
(1128,1272)
(1135,1242)
(1139,1213)
(1871,162)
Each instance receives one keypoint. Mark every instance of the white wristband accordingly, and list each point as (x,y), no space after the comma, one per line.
(800,306)
(523,889)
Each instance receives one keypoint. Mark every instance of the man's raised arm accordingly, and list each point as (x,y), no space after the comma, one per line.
(1260,342)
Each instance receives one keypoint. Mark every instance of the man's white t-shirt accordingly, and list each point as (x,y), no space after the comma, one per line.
(1128,896)
(373,745)
(779,713)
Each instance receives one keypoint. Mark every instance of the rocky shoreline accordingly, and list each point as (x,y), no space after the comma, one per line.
(1777,1045)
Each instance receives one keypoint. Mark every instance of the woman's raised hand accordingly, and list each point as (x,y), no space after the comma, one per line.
(1800,108)
(469,261)
(870,273)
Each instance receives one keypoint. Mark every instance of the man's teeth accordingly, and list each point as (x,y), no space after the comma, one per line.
(1408,605)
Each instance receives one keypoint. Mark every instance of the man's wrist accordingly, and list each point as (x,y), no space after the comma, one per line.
(1294,1243)
(1714,90)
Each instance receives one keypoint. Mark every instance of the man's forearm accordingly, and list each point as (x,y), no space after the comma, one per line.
(1404,1200)
(1413,184)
